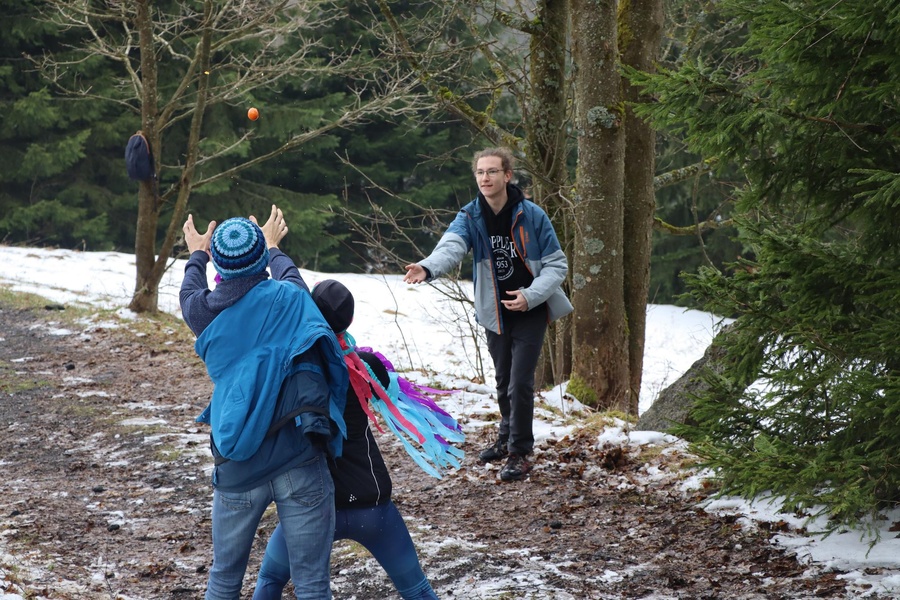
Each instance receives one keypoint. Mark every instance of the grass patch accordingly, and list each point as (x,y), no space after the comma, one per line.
(349,548)
(160,329)
(13,581)
(150,430)
(649,452)
(114,425)
(573,416)
(598,422)
(74,408)
(22,300)
(169,454)
(13,383)
(48,309)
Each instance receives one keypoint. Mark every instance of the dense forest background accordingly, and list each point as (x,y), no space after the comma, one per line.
(64,182)
(769,179)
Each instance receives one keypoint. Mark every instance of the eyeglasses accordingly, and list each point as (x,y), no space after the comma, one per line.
(489,173)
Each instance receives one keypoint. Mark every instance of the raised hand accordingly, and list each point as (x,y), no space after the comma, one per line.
(274,229)
(194,239)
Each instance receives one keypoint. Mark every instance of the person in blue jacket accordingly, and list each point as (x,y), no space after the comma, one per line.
(519,268)
(280,385)
(365,512)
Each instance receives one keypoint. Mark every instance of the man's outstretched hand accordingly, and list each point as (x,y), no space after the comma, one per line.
(415,273)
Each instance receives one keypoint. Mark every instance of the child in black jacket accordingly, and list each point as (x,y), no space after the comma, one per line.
(364,510)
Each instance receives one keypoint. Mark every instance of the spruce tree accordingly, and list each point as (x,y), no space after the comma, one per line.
(807,107)
(63,181)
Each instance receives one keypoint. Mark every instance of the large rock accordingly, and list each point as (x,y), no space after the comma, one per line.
(673,404)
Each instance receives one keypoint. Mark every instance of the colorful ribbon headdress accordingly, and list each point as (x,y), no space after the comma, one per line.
(426,431)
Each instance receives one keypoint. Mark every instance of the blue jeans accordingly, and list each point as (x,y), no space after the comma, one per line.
(304,497)
(380,529)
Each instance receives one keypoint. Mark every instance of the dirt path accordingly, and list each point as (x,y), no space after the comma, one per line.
(105,494)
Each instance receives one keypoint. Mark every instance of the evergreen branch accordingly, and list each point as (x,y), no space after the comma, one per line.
(698,39)
(714,88)
(868,127)
(852,68)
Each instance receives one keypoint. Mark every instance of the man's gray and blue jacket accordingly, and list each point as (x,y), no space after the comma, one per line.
(536,243)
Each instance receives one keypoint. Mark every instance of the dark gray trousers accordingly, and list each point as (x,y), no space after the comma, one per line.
(515,354)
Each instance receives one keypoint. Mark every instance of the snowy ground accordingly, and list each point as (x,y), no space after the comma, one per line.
(415,326)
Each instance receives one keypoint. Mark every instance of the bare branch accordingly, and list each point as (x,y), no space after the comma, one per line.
(678,175)
(362,110)
(479,120)
(702,227)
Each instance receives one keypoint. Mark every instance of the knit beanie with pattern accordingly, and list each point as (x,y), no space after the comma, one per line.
(238,248)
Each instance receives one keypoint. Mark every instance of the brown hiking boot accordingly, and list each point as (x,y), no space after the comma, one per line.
(516,468)
(497,451)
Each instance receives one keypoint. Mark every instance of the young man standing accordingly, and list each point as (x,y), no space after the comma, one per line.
(519,270)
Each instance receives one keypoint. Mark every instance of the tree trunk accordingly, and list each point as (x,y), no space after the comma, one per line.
(639,44)
(146,290)
(600,342)
(562,328)
(150,266)
(546,136)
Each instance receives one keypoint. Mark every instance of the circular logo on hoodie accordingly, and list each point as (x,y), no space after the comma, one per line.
(503,263)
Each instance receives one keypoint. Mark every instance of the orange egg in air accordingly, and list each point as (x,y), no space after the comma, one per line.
(253,114)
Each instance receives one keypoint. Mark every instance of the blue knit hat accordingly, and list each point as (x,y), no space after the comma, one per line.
(238,248)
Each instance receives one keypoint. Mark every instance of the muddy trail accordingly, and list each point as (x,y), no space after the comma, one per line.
(106,493)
